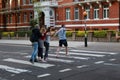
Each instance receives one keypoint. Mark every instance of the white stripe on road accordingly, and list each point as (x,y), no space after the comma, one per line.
(99,62)
(13,70)
(42,65)
(74,57)
(43,75)
(84,54)
(94,52)
(57,60)
(60,60)
(65,70)
(112,59)
(82,66)
(14,52)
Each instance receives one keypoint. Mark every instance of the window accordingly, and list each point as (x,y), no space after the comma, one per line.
(106,12)
(24,1)
(7,19)
(87,9)
(30,1)
(96,12)
(51,13)
(68,14)
(31,16)
(25,17)
(76,13)
(18,18)
(10,18)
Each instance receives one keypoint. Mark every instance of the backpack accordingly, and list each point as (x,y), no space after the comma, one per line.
(32,37)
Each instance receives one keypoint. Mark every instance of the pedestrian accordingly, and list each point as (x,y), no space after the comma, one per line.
(47,43)
(36,33)
(41,44)
(62,39)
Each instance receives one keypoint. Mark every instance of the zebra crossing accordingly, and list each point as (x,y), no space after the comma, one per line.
(74,56)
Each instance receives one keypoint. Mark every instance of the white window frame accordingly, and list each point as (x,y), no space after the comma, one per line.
(31,15)
(19,17)
(30,1)
(24,2)
(105,12)
(67,14)
(87,9)
(96,13)
(76,13)
(25,17)
(10,18)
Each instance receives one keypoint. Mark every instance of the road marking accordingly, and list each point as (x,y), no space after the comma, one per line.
(112,59)
(14,52)
(65,70)
(111,64)
(12,69)
(82,66)
(43,75)
(99,62)
(57,60)
(74,57)
(84,54)
(94,52)
(60,60)
(42,65)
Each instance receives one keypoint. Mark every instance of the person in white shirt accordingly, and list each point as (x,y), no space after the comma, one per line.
(62,39)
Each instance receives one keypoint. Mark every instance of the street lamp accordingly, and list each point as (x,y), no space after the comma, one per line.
(85,29)
(119,15)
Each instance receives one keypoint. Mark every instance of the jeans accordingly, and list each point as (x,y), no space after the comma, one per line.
(35,50)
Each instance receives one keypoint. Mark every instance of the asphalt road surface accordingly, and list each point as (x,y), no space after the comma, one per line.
(81,64)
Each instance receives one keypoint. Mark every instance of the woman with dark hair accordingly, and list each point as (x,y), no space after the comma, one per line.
(47,42)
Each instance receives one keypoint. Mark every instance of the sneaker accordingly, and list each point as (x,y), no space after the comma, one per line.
(32,61)
(36,60)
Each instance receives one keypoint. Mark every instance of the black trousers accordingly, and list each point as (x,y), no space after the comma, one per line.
(40,52)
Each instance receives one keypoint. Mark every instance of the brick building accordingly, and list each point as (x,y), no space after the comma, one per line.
(101,14)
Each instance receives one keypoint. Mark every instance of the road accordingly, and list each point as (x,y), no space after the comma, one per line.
(81,64)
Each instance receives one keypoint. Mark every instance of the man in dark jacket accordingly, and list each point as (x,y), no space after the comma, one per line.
(37,35)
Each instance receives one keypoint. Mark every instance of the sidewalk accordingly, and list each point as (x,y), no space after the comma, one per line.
(52,43)
(105,46)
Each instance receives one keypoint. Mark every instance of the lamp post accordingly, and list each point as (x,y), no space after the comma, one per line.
(119,16)
(85,28)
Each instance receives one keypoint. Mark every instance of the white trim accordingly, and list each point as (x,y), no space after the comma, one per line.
(16,27)
(94,25)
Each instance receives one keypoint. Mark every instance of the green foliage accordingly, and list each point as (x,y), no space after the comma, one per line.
(80,34)
(33,22)
(100,34)
(6,34)
(69,33)
(22,33)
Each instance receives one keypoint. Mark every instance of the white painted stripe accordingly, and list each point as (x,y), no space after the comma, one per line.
(110,64)
(99,62)
(84,54)
(64,56)
(65,70)
(94,52)
(43,75)
(42,65)
(74,57)
(60,60)
(82,66)
(112,59)
(12,69)
(57,59)
(13,52)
